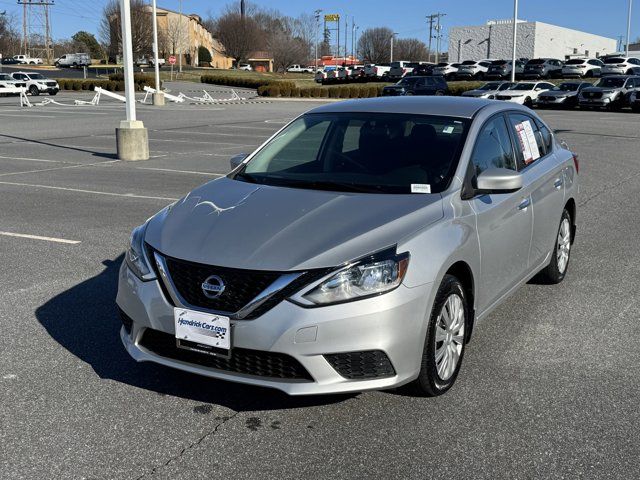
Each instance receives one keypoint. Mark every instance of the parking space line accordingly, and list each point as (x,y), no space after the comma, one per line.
(26,115)
(26,159)
(77,165)
(38,237)
(194,141)
(180,171)
(93,192)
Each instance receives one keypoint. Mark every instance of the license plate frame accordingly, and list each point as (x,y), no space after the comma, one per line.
(202,332)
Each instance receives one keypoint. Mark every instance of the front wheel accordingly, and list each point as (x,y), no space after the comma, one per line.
(445,340)
(33,90)
(557,268)
(528,102)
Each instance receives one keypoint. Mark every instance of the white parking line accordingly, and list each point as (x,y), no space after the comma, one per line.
(94,192)
(26,159)
(77,165)
(38,237)
(26,115)
(180,171)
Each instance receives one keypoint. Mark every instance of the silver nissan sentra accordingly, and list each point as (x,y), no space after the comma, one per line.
(356,249)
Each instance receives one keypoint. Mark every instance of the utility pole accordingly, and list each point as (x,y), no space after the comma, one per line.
(346,37)
(353,38)
(242,9)
(36,23)
(158,96)
(438,35)
(515,40)
(132,139)
(430,18)
(628,28)
(181,37)
(392,37)
(317,15)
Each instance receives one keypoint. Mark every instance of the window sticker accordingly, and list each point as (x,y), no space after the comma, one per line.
(448,129)
(420,188)
(528,142)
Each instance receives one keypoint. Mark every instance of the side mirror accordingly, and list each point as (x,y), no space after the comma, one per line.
(499,180)
(236,160)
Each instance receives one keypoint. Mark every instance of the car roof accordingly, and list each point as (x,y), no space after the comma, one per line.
(462,107)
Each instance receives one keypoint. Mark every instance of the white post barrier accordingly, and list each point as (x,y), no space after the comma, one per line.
(168,96)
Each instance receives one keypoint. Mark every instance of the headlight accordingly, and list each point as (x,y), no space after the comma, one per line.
(492,97)
(136,257)
(372,276)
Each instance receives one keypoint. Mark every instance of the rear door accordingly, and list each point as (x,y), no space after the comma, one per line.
(504,220)
(542,172)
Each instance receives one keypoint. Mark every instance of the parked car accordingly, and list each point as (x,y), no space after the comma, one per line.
(356,216)
(446,70)
(245,66)
(321,75)
(27,60)
(417,86)
(9,61)
(543,68)
(502,69)
(357,72)
(8,82)
(564,95)
(349,72)
(634,100)
(423,69)
(73,60)
(524,93)
(621,66)
(610,92)
(36,83)
(377,70)
(149,61)
(300,69)
(582,68)
(488,90)
(400,68)
(470,69)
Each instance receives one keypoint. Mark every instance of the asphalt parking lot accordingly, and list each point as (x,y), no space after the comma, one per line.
(549,387)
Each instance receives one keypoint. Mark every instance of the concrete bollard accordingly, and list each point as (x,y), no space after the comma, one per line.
(132,141)
(158,99)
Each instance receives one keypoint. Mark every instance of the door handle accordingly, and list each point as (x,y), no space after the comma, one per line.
(524,203)
(558,183)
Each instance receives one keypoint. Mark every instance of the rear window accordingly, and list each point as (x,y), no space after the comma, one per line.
(499,62)
(575,61)
(395,65)
(614,60)
(536,61)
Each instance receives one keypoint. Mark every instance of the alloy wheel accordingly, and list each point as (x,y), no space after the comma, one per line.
(449,337)
(564,245)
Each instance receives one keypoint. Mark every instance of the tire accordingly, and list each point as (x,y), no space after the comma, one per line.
(436,376)
(53,94)
(557,269)
(528,102)
(589,74)
(33,90)
(439,93)
(480,75)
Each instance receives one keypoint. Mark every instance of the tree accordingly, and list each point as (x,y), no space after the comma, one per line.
(287,50)
(88,40)
(375,44)
(175,37)
(204,55)
(141,28)
(410,49)
(9,37)
(238,36)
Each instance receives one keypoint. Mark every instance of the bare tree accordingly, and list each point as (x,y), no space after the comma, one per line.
(9,37)
(141,28)
(287,50)
(238,36)
(375,44)
(410,49)
(175,36)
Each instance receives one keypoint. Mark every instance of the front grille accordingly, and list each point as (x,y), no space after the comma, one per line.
(503,97)
(365,365)
(51,84)
(592,94)
(250,362)
(241,286)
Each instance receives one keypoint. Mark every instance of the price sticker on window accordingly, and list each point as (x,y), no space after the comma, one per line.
(528,143)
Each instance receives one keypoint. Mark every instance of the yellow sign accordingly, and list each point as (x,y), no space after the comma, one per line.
(334,17)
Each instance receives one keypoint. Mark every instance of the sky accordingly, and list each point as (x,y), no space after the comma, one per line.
(608,18)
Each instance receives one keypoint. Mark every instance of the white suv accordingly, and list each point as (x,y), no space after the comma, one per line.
(36,83)
(470,69)
(621,66)
(446,70)
(524,93)
(582,67)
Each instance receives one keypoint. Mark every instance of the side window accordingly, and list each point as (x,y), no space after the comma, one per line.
(493,147)
(529,142)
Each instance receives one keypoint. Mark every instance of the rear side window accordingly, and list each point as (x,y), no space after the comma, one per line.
(529,142)
(493,147)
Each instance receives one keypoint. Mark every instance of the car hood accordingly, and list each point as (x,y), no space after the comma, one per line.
(551,93)
(600,89)
(242,225)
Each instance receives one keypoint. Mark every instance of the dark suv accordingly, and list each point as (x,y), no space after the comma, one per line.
(417,86)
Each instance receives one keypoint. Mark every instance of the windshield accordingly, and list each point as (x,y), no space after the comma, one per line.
(575,61)
(536,61)
(36,76)
(566,87)
(610,82)
(361,152)
(4,76)
(499,62)
(614,60)
(523,86)
(490,86)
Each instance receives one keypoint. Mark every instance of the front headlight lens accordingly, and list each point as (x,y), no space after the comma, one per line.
(364,279)
(136,258)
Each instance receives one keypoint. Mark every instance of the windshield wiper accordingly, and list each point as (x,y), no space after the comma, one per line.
(246,177)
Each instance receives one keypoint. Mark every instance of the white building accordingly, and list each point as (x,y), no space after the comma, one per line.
(535,40)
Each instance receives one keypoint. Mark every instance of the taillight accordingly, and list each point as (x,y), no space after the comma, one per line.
(576,162)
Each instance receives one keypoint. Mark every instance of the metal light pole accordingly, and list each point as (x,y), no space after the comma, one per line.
(132,139)
(317,15)
(158,97)
(180,47)
(392,37)
(515,40)
(628,28)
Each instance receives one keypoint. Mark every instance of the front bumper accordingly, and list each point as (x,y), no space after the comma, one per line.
(519,100)
(393,323)
(595,102)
